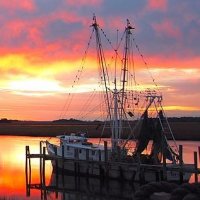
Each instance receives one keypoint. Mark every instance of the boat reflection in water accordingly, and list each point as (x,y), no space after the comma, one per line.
(69,187)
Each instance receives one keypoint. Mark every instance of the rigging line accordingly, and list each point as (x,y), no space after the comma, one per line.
(133,63)
(102,132)
(109,42)
(137,124)
(116,57)
(122,38)
(71,98)
(141,55)
(102,62)
(93,109)
(87,103)
(100,54)
(125,64)
(163,132)
(102,109)
(125,117)
(133,131)
(77,77)
(176,147)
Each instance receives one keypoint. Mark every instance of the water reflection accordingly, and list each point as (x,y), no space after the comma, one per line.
(12,165)
(77,188)
(13,182)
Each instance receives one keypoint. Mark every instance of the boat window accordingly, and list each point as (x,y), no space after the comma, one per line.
(67,148)
(79,150)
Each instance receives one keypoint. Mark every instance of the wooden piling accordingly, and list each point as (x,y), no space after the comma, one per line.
(76,163)
(56,165)
(28,171)
(63,164)
(106,159)
(99,155)
(87,160)
(164,168)
(43,172)
(195,167)
(181,163)
(105,151)
(100,167)
(41,183)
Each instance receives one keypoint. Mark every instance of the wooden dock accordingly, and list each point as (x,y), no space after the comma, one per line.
(161,170)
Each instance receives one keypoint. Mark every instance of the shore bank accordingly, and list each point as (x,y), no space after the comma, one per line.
(181,130)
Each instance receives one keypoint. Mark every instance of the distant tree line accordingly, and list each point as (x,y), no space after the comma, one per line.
(170,119)
(184,119)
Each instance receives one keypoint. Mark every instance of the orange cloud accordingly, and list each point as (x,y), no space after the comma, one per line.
(173,61)
(182,108)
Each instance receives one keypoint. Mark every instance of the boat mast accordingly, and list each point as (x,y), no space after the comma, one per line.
(102,63)
(116,104)
(125,73)
(115,116)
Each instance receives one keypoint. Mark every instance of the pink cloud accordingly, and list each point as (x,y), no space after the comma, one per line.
(167,28)
(157,4)
(16,28)
(18,5)
(117,23)
(78,3)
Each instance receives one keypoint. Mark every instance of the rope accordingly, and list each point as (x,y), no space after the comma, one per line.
(141,55)
(76,80)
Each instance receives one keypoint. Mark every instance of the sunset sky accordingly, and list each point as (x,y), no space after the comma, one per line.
(42,44)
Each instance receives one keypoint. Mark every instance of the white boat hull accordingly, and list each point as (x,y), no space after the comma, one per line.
(115,170)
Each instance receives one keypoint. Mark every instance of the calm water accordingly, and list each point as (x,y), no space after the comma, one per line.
(12,173)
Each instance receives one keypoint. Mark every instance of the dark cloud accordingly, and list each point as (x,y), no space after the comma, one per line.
(60,30)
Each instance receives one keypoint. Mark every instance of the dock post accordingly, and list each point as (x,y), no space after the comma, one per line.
(41,163)
(87,159)
(63,163)
(56,166)
(195,167)
(105,151)
(28,171)
(106,158)
(118,153)
(181,163)
(99,155)
(164,168)
(100,168)
(43,171)
(75,163)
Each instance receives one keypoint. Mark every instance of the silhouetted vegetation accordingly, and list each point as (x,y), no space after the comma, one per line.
(184,119)
(184,128)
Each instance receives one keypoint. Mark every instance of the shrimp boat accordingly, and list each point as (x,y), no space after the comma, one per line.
(122,101)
